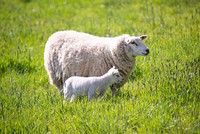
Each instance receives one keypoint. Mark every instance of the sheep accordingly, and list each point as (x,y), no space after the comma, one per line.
(72,53)
(90,86)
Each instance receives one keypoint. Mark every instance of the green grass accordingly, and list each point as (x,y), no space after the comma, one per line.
(161,96)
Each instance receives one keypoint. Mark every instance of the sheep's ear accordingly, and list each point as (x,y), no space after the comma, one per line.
(142,37)
(114,67)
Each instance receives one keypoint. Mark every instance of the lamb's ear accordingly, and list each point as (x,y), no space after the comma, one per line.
(142,37)
(114,67)
(127,40)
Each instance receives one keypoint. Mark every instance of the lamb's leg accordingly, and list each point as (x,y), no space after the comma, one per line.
(73,98)
(67,96)
(101,94)
(114,90)
(91,94)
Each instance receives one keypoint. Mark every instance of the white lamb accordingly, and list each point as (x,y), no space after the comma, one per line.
(71,53)
(90,86)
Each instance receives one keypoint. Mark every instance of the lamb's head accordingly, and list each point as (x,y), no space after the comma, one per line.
(115,75)
(134,46)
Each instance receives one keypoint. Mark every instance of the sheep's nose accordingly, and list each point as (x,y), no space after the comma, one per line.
(147,50)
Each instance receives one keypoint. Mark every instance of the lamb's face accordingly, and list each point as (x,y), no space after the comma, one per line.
(117,78)
(135,47)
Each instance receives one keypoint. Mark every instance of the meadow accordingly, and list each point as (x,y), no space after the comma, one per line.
(161,96)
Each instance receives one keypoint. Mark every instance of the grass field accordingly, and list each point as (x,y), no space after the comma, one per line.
(161,96)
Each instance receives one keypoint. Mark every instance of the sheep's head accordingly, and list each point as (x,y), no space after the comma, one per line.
(117,78)
(134,46)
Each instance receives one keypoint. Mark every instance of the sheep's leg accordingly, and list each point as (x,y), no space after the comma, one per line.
(59,86)
(60,90)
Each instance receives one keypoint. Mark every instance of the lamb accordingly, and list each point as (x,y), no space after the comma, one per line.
(90,86)
(71,53)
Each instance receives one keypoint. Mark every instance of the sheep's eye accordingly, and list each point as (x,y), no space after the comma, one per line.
(134,43)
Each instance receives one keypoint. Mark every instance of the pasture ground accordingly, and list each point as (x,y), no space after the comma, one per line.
(161,96)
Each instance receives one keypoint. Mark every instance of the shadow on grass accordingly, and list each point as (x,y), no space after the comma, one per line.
(25,1)
(18,66)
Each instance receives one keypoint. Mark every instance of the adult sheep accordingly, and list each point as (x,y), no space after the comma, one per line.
(71,53)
